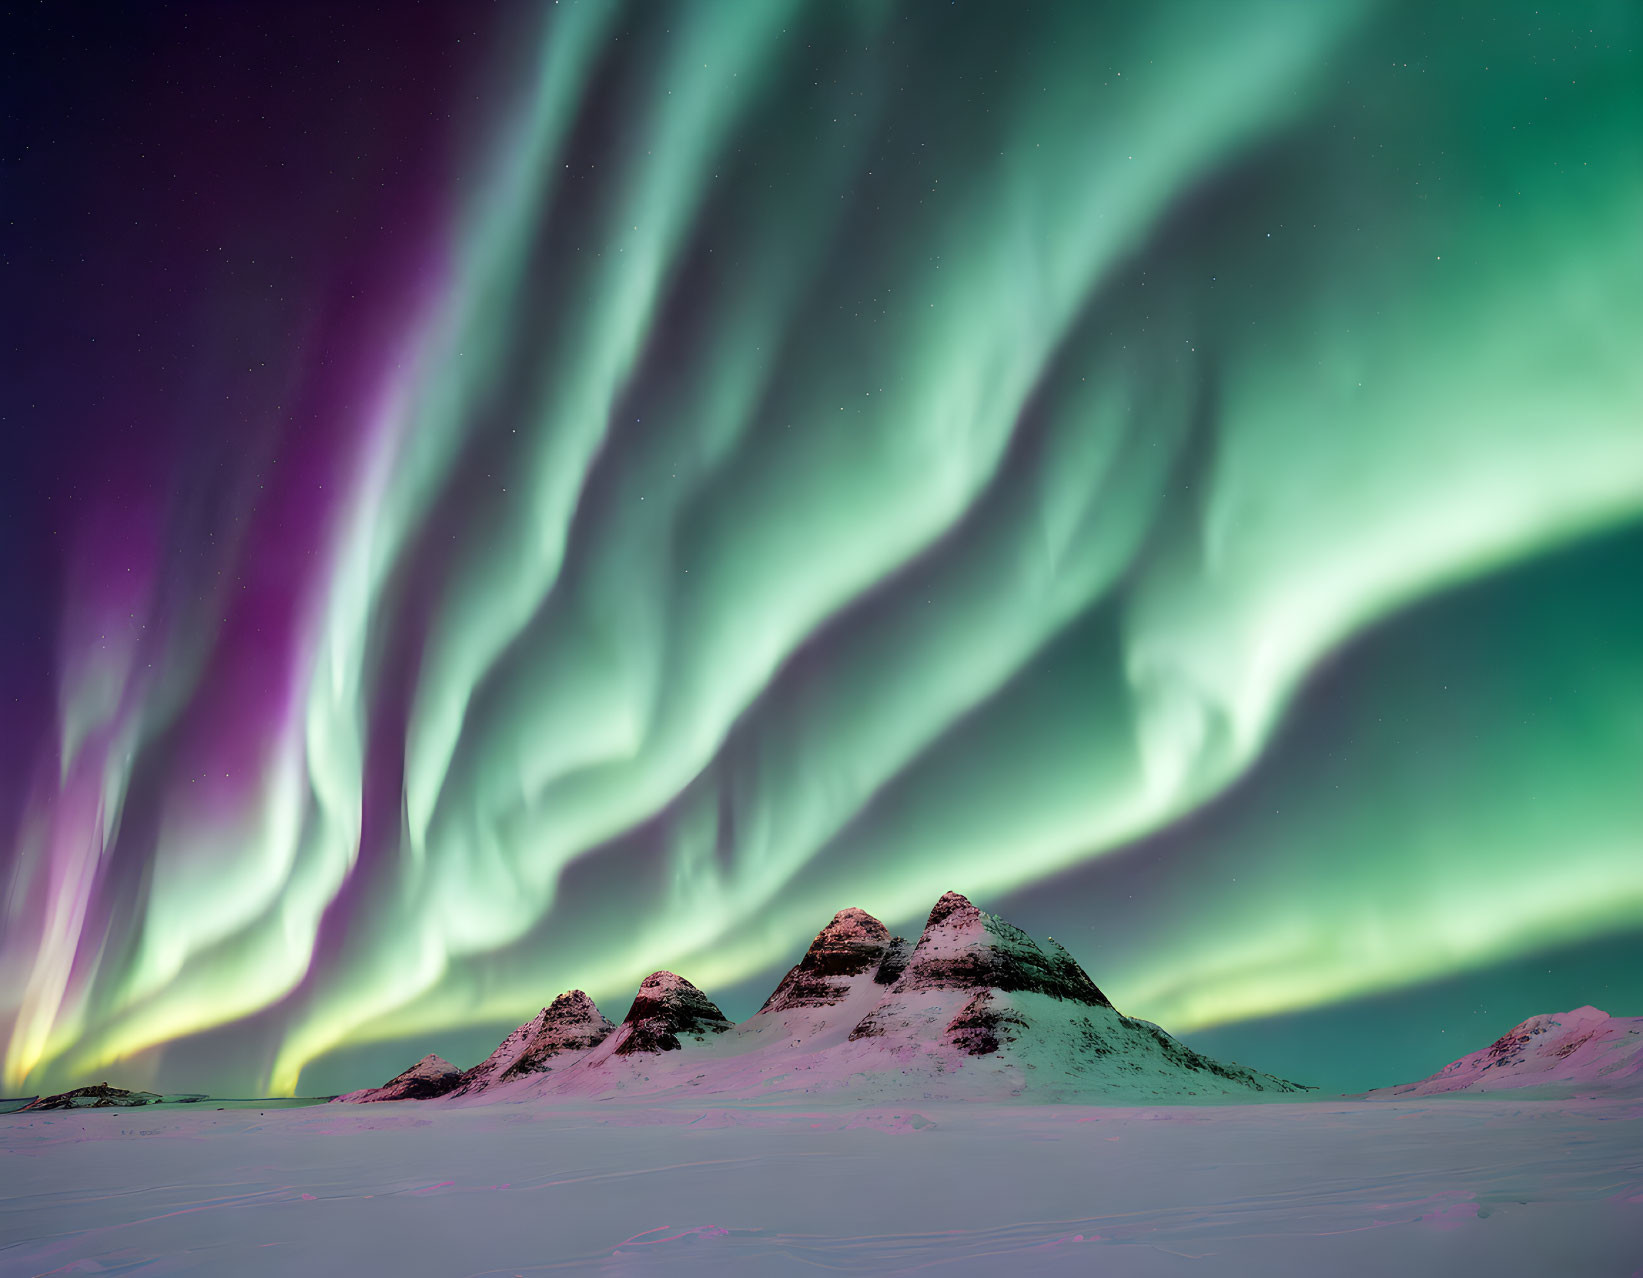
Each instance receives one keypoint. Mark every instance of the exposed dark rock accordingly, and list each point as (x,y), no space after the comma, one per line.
(1090,1041)
(667,1006)
(894,962)
(982,1026)
(1065,973)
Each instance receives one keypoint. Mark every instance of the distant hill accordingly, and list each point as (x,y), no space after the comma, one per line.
(102,1096)
(1559,1053)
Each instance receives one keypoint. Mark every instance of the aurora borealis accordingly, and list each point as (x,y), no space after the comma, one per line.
(503,502)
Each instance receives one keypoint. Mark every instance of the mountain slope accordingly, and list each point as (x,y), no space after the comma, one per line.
(1562,1053)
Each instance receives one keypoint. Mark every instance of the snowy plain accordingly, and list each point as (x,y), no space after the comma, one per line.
(1428,1185)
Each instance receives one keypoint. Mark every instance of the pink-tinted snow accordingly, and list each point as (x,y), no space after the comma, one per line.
(1305,1187)
(1567,1053)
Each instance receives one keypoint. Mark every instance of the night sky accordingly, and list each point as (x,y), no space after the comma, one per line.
(504,498)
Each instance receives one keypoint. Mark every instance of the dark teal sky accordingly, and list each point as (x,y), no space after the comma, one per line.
(512,499)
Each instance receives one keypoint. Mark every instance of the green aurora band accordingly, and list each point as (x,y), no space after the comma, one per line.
(848,452)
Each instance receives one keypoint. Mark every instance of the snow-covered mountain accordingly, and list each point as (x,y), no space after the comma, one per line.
(1565,1053)
(669,1019)
(980,997)
(429,1077)
(569,1025)
(976,1009)
(667,1012)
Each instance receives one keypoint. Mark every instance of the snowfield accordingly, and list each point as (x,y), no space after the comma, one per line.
(1450,1185)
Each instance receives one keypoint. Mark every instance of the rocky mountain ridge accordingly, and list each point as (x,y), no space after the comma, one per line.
(975,1008)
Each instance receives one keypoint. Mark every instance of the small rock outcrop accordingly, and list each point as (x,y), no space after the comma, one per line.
(982,1026)
(97,1096)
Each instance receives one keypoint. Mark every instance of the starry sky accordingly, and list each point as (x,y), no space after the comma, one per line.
(500,498)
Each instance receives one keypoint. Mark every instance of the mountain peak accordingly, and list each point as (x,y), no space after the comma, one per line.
(429,1077)
(1585,1014)
(852,925)
(666,1007)
(970,952)
(963,947)
(571,1023)
(950,904)
(854,942)
(660,983)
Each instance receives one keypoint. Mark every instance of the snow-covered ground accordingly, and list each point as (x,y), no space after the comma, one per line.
(1451,1185)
